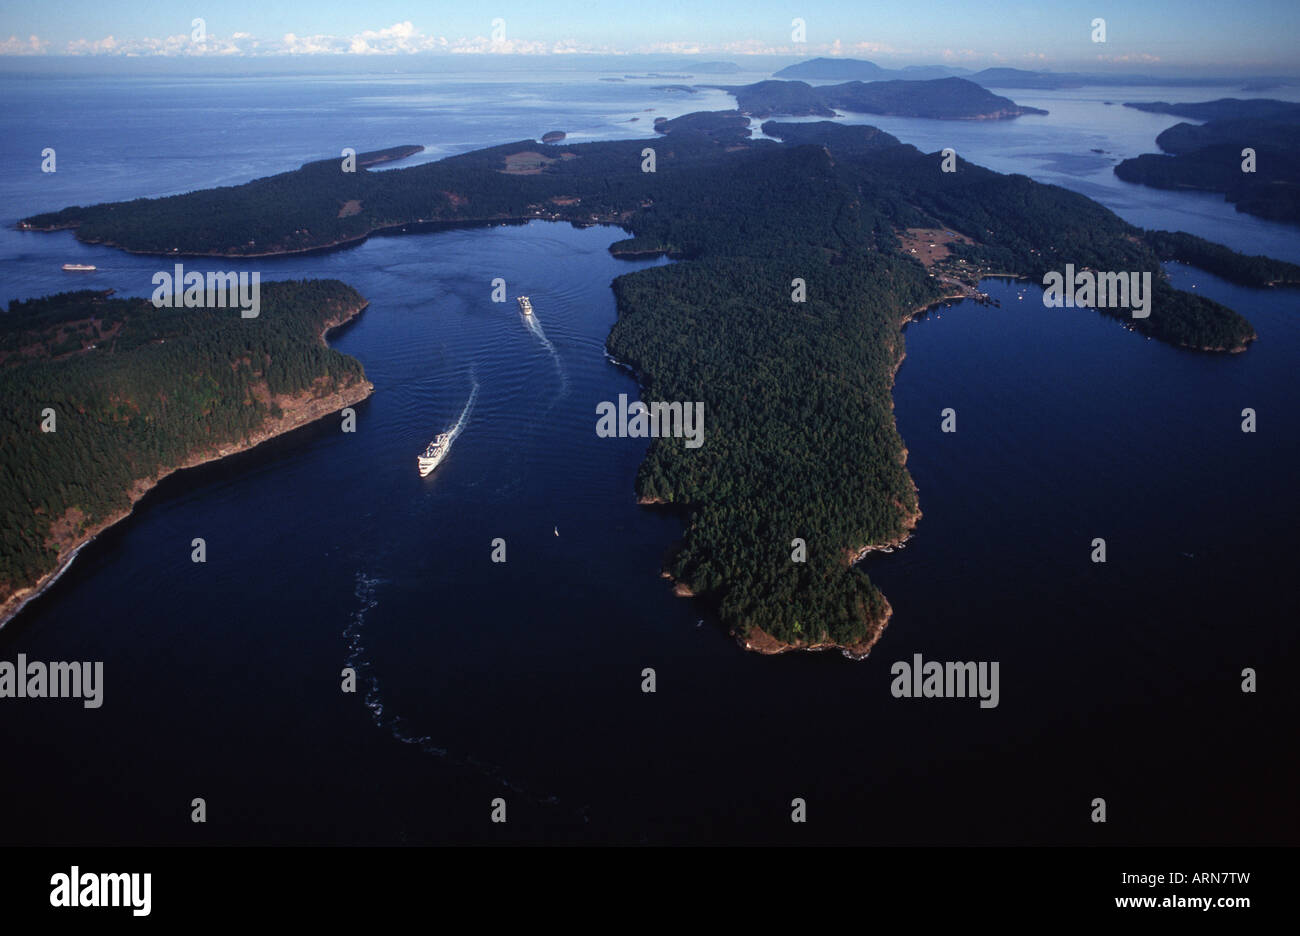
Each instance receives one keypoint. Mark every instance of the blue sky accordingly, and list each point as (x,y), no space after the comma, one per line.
(1147,33)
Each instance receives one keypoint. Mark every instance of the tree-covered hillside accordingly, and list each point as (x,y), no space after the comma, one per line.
(136,391)
(1243,151)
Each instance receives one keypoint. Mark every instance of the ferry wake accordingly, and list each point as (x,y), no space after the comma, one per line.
(438,448)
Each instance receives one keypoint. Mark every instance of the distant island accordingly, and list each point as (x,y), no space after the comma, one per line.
(1225,109)
(715,68)
(938,98)
(696,68)
(137,393)
(554,136)
(717,125)
(848,69)
(1184,138)
(1209,156)
(802,440)
(1028,80)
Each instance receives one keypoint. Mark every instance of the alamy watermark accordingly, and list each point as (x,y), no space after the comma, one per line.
(658,420)
(78,889)
(951,680)
(219,291)
(1095,289)
(37,680)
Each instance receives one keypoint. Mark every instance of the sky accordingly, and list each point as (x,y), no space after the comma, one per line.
(1145,34)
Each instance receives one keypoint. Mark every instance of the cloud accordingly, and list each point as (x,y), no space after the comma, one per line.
(32,45)
(759,47)
(876,48)
(405,38)
(398,39)
(1145,57)
(293,44)
(181,45)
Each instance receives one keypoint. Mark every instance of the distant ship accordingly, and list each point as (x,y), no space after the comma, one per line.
(525,305)
(78,267)
(435,453)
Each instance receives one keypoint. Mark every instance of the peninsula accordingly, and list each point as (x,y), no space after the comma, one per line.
(108,396)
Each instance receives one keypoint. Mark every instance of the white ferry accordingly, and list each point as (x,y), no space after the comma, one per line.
(435,453)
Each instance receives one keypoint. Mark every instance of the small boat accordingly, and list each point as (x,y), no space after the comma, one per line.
(525,305)
(557,531)
(78,268)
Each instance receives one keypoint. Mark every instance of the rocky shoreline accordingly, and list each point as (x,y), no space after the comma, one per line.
(758,640)
(296,412)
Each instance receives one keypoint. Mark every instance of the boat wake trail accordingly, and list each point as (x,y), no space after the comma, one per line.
(534,326)
(463,421)
(365,592)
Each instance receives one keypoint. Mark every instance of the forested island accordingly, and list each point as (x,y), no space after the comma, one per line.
(1224,109)
(937,99)
(1209,157)
(802,441)
(106,396)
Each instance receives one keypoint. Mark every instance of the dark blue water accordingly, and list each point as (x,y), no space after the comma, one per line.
(522,679)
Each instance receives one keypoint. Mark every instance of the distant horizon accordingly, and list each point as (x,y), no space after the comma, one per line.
(577,62)
(1060,35)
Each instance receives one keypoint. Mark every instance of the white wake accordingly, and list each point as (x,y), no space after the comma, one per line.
(463,421)
(534,326)
(358,660)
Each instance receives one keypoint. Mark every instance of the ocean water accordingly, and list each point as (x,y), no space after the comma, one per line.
(522,679)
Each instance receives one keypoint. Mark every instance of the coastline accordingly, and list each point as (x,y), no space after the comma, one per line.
(297,411)
(422,224)
(758,640)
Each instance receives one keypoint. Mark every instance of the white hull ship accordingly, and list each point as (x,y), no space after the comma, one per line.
(435,453)
(77,268)
(440,446)
(525,305)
